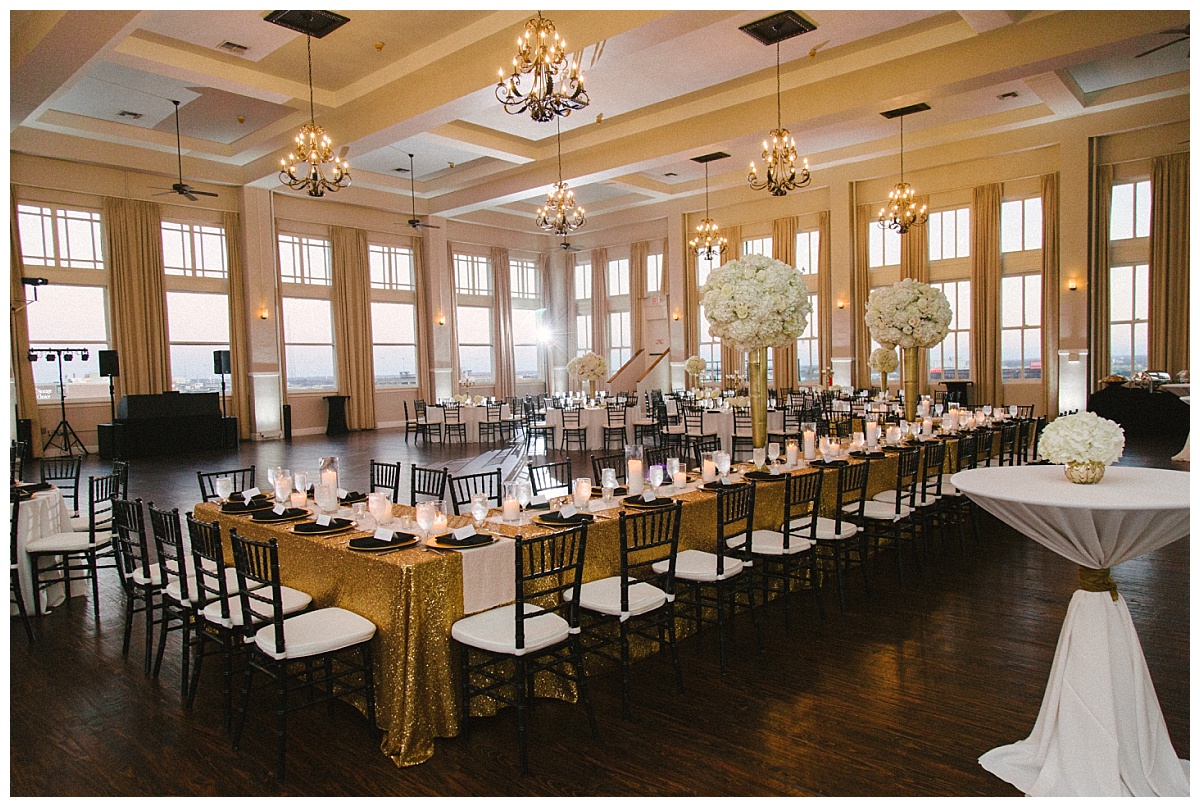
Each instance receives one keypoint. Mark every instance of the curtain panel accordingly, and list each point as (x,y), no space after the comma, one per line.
(506,374)
(1098,275)
(18,332)
(352,334)
(637,295)
(985,293)
(860,290)
(1170,237)
(600,304)
(1051,286)
(424,317)
(132,232)
(239,344)
(783,248)
(824,291)
(732,360)
(691,304)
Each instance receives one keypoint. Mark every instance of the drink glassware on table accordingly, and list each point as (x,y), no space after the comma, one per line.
(358,512)
(759,457)
(608,484)
(524,496)
(224,487)
(656,478)
(722,460)
(938,409)
(300,482)
(426,514)
(583,493)
(283,485)
(773,452)
(479,508)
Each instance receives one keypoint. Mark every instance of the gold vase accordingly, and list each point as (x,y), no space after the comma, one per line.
(911,357)
(591,390)
(758,396)
(1084,473)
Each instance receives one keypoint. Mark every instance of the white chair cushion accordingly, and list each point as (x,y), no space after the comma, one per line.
(770,542)
(63,542)
(676,430)
(193,587)
(80,523)
(826,529)
(692,564)
(496,630)
(922,500)
(152,577)
(949,490)
(884,511)
(604,597)
(316,632)
(293,601)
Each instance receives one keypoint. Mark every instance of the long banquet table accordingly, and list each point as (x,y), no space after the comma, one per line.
(415,596)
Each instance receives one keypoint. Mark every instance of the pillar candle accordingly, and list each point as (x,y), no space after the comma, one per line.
(793,453)
(708,471)
(512,511)
(299,499)
(872,429)
(810,444)
(679,480)
(634,476)
(927,427)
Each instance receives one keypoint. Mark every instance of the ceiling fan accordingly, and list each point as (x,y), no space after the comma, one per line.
(569,248)
(1182,34)
(415,222)
(180,187)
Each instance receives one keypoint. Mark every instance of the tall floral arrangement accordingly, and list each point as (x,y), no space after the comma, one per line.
(1084,442)
(588,367)
(756,302)
(883,360)
(909,314)
(695,365)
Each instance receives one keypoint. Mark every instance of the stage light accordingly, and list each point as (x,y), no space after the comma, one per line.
(33,356)
(68,357)
(50,357)
(84,356)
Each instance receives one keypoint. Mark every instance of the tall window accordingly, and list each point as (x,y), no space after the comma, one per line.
(474,302)
(1021,224)
(583,281)
(583,308)
(1130,211)
(757,246)
(883,246)
(654,265)
(194,250)
(808,353)
(950,234)
(526,318)
(618,277)
(1021,327)
(620,339)
(951,360)
(583,333)
(709,346)
(391,267)
(808,250)
(65,246)
(1129,301)
(394,338)
(195,260)
(526,281)
(304,268)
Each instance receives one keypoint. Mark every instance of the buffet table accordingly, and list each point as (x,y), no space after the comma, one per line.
(1100,731)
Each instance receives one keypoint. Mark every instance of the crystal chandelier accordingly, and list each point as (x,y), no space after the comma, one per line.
(707,243)
(560,215)
(316,170)
(900,213)
(779,154)
(556,88)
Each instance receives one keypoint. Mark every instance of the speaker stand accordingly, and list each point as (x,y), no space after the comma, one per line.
(112,401)
(223,412)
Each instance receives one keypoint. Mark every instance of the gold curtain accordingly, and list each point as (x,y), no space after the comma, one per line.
(550,315)
(824,324)
(1051,286)
(914,263)
(783,248)
(985,294)
(860,290)
(662,273)
(1098,275)
(600,304)
(424,317)
(637,293)
(502,330)
(691,303)
(352,336)
(18,333)
(572,333)
(239,345)
(732,360)
(1169,240)
(138,298)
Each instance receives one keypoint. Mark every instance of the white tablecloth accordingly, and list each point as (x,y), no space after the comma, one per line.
(45,514)
(470,416)
(1184,391)
(594,420)
(1100,731)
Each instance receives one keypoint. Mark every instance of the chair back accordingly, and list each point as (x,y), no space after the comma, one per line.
(452,412)
(1025,411)
(386,476)
(129,540)
(933,466)
(964,455)
(801,503)
(208,562)
(570,417)
(983,447)
(616,414)
(462,487)
(908,468)
(614,461)
(1039,425)
(243,478)
(649,537)
(735,516)
(257,564)
(495,411)
(852,490)
(547,567)
(14,504)
(658,456)
(63,473)
(120,469)
(711,442)
(741,420)
(419,408)
(429,482)
(550,476)
(168,544)
(693,419)
(1009,432)
(101,492)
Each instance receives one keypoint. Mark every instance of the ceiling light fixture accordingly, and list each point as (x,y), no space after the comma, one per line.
(707,243)
(900,213)
(780,155)
(308,172)
(556,88)
(560,215)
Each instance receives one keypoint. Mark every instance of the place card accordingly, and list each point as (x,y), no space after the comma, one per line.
(323,520)
(567,511)
(342,493)
(538,500)
(249,493)
(648,496)
(384,534)
(725,480)
(279,509)
(463,532)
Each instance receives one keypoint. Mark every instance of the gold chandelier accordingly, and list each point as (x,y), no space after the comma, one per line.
(707,243)
(901,213)
(780,154)
(556,88)
(560,215)
(308,172)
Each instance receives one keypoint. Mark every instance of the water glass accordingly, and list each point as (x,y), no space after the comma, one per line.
(773,452)
(300,482)
(224,487)
(326,498)
(759,457)
(672,466)
(722,460)
(608,478)
(283,487)
(479,508)
(426,514)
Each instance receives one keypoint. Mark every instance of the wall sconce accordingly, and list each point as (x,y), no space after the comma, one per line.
(676,316)
(841,303)
(264,313)
(441,319)
(1072,284)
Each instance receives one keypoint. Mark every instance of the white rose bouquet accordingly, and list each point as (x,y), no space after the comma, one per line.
(588,367)
(908,314)
(884,360)
(756,302)
(1083,437)
(695,365)
(739,401)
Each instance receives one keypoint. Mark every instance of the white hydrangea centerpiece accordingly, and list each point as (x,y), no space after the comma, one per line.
(695,365)
(756,302)
(884,360)
(1082,438)
(588,367)
(909,314)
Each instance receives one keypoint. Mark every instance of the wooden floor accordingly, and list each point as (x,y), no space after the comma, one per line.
(896,697)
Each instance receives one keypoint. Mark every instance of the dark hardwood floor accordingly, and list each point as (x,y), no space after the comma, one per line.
(896,697)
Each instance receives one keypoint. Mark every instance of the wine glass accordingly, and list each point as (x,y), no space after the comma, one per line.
(656,478)
(938,409)
(300,482)
(672,466)
(722,460)
(479,508)
(524,496)
(987,409)
(224,487)
(425,517)
(773,452)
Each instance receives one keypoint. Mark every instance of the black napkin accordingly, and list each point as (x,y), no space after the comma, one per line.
(638,501)
(556,517)
(370,543)
(829,463)
(718,486)
(313,528)
(352,497)
(478,539)
(246,507)
(765,476)
(237,496)
(270,515)
(543,506)
(598,490)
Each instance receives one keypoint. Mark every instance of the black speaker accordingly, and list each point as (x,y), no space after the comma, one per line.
(110,366)
(221,362)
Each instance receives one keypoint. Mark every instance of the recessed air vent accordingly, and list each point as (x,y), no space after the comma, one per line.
(233,47)
(1004,96)
(314,23)
(778,27)
(707,158)
(905,110)
(401,170)
(670,174)
(124,113)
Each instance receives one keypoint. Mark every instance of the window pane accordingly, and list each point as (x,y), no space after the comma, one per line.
(81,378)
(37,235)
(1121,343)
(1011,306)
(875,245)
(1033,300)
(1033,353)
(1140,341)
(891,247)
(192,368)
(963,228)
(309,367)
(395,365)
(197,318)
(79,239)
(1011,221)
(1120,293)
(307,321)
(393,323)
(1141,292)
(1122,212)
(935,237)
(474,325)
(391,267)
(653,273)
(1033,222)
(68,314)
(475,360)
(583,333)
(1142,206)
(525,360)
(1010,353)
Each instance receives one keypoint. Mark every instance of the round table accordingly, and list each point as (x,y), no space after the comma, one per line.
(1100,731)
(44,514)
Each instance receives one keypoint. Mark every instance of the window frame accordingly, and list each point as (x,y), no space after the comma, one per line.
(1028,280)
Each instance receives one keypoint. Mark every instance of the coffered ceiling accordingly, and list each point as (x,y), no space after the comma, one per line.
(665,86)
